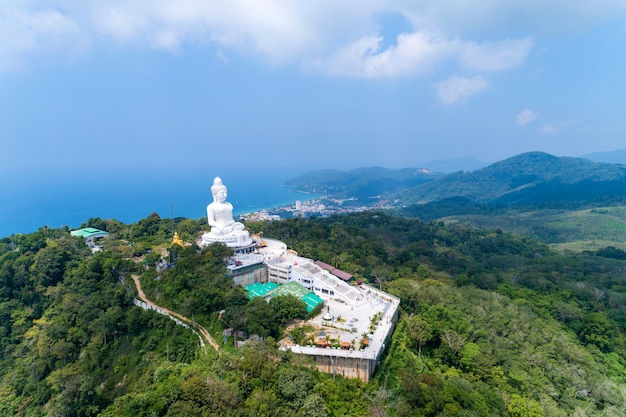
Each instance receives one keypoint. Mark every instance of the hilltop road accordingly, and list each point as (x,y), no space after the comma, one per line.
(207,336)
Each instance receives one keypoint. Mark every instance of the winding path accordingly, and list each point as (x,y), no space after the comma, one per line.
(207,336)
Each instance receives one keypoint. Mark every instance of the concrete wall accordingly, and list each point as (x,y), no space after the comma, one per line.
(250,275)
(349,364)
(360,368)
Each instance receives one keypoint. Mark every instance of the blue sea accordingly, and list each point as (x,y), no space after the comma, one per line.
(71,198)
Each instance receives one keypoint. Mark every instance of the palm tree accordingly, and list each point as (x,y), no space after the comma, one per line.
(235,317)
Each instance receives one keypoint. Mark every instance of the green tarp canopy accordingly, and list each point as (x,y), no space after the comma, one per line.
(296,289)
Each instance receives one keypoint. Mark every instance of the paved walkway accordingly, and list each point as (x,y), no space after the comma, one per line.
(207,336)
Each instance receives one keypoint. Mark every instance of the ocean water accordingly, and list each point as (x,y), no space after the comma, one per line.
(69,199)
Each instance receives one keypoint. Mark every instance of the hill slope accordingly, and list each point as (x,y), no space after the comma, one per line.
(361,182)
(529,178)
(615,157)
(491,325)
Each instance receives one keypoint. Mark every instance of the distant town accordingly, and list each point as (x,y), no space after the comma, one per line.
(322,207)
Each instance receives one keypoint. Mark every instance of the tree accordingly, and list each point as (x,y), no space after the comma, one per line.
(288,307)
(380,401)
(294,385)
(263,403)
(522,407)
(313,406)
(598,330)
(188,229)
(422,391)
(236,318)
(149,226)
(49,265)
(454,340)
(201,396)
(419,330)
(97,223)
(261,318)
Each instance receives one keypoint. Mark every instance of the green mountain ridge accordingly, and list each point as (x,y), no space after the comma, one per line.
(361,183)
(616,157)
(532,178)
(529,178)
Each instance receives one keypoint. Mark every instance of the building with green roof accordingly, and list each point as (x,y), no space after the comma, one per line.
(90,234)
(258,289)
(312,301)
(271,289)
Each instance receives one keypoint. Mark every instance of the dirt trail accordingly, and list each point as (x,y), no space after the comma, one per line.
(207,336)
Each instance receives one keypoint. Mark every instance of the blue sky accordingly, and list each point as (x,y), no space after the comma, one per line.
(305,84)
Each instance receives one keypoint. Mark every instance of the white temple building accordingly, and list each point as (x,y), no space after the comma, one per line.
(349,308)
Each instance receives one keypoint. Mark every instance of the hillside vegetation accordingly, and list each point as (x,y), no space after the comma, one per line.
(361,183)
(584,228)
(572,203)
(530,178)
(492,324)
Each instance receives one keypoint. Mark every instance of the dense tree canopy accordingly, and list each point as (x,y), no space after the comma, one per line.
(491,324)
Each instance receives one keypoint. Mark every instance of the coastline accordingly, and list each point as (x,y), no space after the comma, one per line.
(30,206)
(279,206)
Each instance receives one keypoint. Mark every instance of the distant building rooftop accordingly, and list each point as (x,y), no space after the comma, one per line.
(336,272)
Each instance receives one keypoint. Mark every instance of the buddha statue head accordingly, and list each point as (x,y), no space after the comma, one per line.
(218,189)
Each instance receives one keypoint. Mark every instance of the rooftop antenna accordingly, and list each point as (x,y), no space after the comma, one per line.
(173,251)
(172,216)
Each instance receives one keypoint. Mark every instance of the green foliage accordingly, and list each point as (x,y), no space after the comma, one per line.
(287,307)
(261,318)
(96,223)
(529,178)
(521,407)
(491,324)
(189,229)
(294,385)
(197,285)
(612,252)
(361,183)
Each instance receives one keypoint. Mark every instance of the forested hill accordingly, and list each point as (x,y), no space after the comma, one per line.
(491,324)
(361,183)
(528,179)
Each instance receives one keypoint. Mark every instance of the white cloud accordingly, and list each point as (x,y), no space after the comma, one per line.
(414,53)
(556,127)
(23,32)
(517,16)
(120,24)
(525,117)
(494,56)
(276,30)
(420,52)
(341,38)
(166,40)
(458,89)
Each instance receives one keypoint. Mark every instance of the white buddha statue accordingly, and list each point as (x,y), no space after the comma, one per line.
(220,212)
